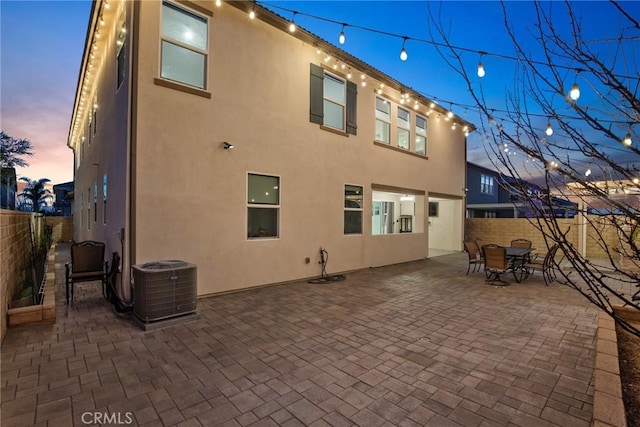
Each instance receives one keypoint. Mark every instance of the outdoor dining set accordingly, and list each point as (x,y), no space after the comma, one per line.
(518,258)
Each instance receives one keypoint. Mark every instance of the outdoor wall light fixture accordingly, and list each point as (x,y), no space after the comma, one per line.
(227,146)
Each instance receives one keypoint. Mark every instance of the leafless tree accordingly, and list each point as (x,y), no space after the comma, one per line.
(591,155)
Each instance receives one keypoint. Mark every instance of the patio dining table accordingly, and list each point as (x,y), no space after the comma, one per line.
(516,258)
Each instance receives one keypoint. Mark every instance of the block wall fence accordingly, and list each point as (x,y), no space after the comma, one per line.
(15,249)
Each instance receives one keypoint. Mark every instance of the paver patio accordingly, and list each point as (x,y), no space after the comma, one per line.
(412,344)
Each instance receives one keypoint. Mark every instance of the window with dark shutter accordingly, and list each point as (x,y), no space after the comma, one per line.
(338,112)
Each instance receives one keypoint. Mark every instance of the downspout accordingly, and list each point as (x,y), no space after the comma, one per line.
(128,259)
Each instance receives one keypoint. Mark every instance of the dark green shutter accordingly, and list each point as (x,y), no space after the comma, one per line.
(352,101)
(316,95)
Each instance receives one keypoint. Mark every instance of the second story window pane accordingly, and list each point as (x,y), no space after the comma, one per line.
(383,120)
(403,128)
(421,135)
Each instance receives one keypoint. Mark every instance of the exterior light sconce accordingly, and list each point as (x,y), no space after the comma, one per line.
(227,146)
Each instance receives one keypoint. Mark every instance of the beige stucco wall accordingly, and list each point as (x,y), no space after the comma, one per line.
(190,198)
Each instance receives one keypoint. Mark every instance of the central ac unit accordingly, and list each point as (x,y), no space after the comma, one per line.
(164,289)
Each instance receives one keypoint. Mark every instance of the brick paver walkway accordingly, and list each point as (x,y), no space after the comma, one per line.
(412,344)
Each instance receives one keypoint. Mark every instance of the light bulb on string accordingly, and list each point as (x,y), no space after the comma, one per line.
(349,73)
(218,3)
(292,25)
(481,72)
(252,13)
(575,92)
(627,140)
(549,130)
(587,172)
(403,52)
(342,37)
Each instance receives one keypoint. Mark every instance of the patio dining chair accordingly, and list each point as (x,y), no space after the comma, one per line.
(474,255)
(87,265)
(479,244)
(546,266)
(495,264)
(521,243)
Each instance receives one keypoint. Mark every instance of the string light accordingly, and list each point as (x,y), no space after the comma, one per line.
(349,73)
(627,140)
(252,13)
(481,72)
(575,92)
(292,25)
(342,37)
(218,3)
(587,172)
(549,130)
(403,52)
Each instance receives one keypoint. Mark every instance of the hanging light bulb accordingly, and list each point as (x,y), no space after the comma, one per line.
(218,3)
(575,92)
(292,25)
(587,172)
(252,14)
(627,140)
(349,73)
(549,130)
(403,52)
(342,37)
(481,72)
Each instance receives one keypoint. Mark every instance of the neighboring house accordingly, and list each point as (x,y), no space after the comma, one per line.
(63,194)
(8,188)
(203,135)
(491,194)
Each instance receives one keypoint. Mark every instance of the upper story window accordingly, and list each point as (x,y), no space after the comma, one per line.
(120,50)
(184,47)
(104,198)
(263,206)
(335,101)
(404,124)
(421,135)
(486,184)
(383,120)
(332,101)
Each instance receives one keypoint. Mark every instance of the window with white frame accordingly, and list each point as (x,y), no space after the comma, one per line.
(104,198)
(353,208)
(486,184)
(184,46)
(95,116)
(263,206)
(404,126)
(335,101)
(421,135)
(81,209)
(383,120)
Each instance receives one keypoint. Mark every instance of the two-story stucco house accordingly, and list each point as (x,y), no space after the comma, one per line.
(206,135)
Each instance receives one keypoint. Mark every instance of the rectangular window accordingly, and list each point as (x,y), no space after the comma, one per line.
(95,201)
(383,120)
(95,116)
(89,208)
(421,135)
(184,46)
(81,210)
(104,198)
(404,124)
(486,184)
(353,204)
(263,206)
(433,209)
(334,101)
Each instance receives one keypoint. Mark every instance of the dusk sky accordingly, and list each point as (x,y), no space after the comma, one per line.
(42,44)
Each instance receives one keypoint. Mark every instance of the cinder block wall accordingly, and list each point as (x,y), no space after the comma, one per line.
(15,248)
(502,230)
(62,227)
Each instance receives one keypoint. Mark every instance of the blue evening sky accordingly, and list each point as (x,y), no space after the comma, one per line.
(42,43)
